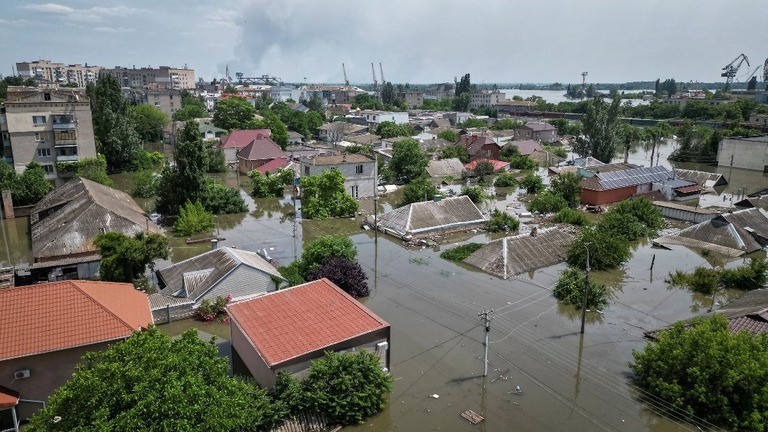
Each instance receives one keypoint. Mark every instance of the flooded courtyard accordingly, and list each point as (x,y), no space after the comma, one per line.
(568,381)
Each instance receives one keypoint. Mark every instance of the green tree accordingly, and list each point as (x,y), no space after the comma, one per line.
(29,187)
(547,202)
(125,259)
(573,217)
(113,127)
(324,196)
(193,219)
(420,189)
(316,253)
(570,290)
(463,86)
(346,274)
(14,81)
(606,250)
(505,180)
(461,102)
(266,185)
(633,218)
(568,186)
(233,113)
(408,162)
(532,183)
(502,221)
(388,93)
(483,169)
(703,369)
(475,193)
(456,151)
(220,199)
(145,184)
(474,123)
(150,122)
(506,124)
(190,112)
(600,134)
(270,121)
(348,387)
(151,382)
(315,103)
(388,129)
(449,135)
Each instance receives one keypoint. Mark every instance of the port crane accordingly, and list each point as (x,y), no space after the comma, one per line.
(730,70)
(765,73)
(382,73)
(346,81)
(584,79)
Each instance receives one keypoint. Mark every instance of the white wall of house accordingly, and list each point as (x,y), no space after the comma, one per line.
(377,117)
(359,179)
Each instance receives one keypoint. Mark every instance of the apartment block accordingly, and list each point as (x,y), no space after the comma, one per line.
(47,73)
(485,98)
(46,126)
(163,77)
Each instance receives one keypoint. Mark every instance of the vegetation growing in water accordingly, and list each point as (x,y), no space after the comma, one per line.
(459,253)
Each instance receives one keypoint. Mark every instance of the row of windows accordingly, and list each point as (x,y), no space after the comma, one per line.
(46,152)
(358,170)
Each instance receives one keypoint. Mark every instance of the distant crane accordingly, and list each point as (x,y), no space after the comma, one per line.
(730,70)
(375,83)
(765,73)
(344,68)
(584,79)
(382,73)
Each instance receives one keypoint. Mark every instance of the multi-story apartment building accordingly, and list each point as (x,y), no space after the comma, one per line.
(412,98)
(485,98)
(164,77)
(46,126)
(47,73)
(167,101)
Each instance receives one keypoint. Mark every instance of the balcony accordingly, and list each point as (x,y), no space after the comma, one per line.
(64,122)
(60,142)
(67,158)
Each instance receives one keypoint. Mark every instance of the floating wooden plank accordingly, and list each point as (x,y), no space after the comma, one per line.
(472,416)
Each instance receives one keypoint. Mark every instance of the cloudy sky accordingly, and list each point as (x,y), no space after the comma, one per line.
(417,41)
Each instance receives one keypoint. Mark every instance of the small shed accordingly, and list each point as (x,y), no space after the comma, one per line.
(430,217)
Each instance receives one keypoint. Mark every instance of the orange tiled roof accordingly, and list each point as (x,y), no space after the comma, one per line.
(8,398)
(59,315)
(311,317)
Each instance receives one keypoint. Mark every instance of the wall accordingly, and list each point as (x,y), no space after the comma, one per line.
(606,196)
(365,182)
(750,154)
(47,373)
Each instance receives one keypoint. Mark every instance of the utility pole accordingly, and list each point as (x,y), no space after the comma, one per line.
(586,294)
(487,325)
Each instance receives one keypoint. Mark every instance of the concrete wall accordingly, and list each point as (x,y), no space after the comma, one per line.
(744,153)
(173,313)
(47,373)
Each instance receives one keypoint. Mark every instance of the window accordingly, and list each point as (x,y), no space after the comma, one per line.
(157,104)
(306,170)
(171,104)
(44,152)
(359,169)
(38,120)
(47,96)
(48,169)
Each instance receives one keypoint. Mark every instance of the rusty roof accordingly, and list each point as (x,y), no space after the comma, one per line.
(35,319)
(193,277)
(307,318)
(474,143)
(69,218)
(428,216)
(702,178)
(732,234)
(522,253)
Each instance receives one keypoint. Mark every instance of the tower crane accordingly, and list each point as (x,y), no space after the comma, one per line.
(584,78)
(346,81)
(375,83)
(730,70)
(765,73)
(382,73)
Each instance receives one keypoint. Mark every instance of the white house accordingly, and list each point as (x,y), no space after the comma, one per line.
(376,117)
(358,171)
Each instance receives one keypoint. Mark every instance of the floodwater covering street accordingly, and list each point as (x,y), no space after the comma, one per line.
(568,382)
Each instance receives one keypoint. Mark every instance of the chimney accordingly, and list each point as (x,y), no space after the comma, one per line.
(534,231)
(214,244)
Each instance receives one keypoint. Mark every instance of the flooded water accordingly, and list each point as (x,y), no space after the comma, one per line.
(568,381)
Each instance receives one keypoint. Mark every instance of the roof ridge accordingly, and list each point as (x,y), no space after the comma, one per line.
(101,305)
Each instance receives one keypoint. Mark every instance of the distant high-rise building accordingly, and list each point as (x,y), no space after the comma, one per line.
(46,125)
(164,77)
(47,73)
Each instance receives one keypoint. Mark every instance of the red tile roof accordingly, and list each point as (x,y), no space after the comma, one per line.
(497,164)
(59,315)
(272,165)
(286,324)
(474,143)
(689,189)
(260,148)
(8,398)
(241,138)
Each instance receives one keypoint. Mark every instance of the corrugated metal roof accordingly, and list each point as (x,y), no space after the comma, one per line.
(524,252)
(538,127)
(69,218)
(732,234)
(445,167)
(193,277)
(428,216)
(702,178)
(628,177)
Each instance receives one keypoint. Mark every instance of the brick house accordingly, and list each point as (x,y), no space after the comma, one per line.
(536,131)
(480,146)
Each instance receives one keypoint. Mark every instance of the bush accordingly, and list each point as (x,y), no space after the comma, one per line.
(220,199)
(547,202)
(482,169)
(148,160)
(460,253)
(532,183)
(292,273)
(193,219)
(700,280)
(475,193)
(747,277)
(505,180)
(557,151)
(522,162)
(646,218)
(418,190)
(573,217)
(570,290)
(348,275)
(323,248)
(502,221)
(145,184)
(212,310)
(266,185)
(568,186)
